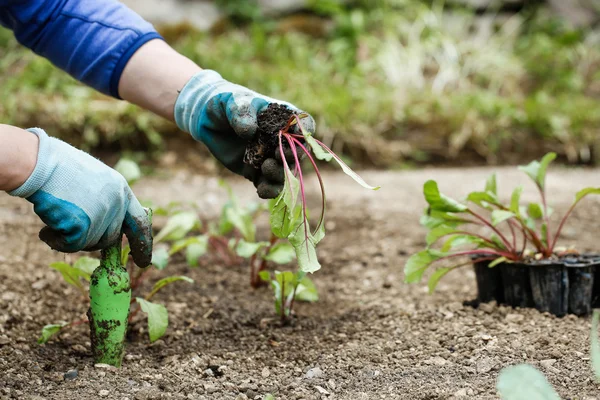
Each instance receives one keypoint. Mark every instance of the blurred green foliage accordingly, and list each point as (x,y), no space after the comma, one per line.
(388,81)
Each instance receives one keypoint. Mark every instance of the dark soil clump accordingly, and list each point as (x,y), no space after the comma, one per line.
(264,145)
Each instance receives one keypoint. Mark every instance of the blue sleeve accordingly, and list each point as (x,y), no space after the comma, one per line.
(92,40)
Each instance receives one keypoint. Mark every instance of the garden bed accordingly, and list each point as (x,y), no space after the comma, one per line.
(369,335)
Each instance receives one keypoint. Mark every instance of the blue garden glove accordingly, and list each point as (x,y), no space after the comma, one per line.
(223,116)
(85,204)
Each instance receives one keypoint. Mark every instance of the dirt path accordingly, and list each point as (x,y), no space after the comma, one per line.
(369,337)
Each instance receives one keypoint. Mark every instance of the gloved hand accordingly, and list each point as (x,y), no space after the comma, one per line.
(223,116)
(85,204)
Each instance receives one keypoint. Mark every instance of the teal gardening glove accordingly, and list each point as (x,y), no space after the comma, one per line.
(85,204)
(223,116)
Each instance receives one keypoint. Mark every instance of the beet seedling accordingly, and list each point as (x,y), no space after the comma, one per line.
(289,215)
(526,230)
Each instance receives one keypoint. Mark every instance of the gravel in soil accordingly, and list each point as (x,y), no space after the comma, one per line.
(370,336)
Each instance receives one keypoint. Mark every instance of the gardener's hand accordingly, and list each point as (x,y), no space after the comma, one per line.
(85,204)
(223,116)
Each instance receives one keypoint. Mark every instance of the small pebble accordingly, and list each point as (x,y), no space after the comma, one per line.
(265,372)
(314,373)
(103,393)
(71,375)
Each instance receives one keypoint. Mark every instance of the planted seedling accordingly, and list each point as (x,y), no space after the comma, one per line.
(483,228)
(289,215)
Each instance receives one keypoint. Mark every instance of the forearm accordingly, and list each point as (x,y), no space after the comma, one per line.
(154,76)
(18,156)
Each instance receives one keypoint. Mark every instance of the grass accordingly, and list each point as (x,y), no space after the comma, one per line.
(387,84)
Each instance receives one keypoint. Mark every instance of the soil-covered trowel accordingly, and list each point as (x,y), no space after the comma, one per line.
(110,298)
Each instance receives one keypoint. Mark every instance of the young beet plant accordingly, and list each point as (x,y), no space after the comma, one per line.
(484,228)
(289,215)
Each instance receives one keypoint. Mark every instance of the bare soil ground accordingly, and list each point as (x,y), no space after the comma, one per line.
(369,337)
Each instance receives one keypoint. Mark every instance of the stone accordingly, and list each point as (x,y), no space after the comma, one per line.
(71,374)
(315,372)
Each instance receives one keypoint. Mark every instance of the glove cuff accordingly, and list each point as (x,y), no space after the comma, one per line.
(194,96)
(43,167)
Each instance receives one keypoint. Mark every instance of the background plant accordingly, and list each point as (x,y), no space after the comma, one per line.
(511,231)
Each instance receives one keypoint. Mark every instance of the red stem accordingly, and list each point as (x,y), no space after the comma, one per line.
(560,227)
(492,227)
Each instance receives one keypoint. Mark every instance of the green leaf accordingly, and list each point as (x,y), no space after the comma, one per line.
(304,244)
(499,216)
(178,226)
(440,202)
(348,171)
(434,218)
(50,330)
(242,221)
(246,250)
(536,170)
(497,261)
(160,258)
(317,150)
(483,199)
(524,382)
(434,279)
(125,254)
(87,265)
(269,396)
(515,199)
(439,232)
(158,318)
(194,251)
(129,169)
(306,290)
(285,210)
(70,275)
(265,275)
(534,210)
(281,253)
(184,243)
(595,348)
(418,263)
(462,240)
(168,280)
(491,186)
(584,192)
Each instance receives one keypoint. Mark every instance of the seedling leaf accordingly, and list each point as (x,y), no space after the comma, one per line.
(185,243)
(246,249)
(347,170)
(434,279)
(499,216)
(304,244)
(194,251)
(483,199)
(158,318)
(177,226)
(242,220)
(490,185)
(515,200)
(438,232)
(50,330)
(87,265)
(584,192)
(524,382)
(281,253)
(497,261)
(160,258)
(306,290)
(440,202)
(317,150)
(536,170)
(166,281)
(418,263)
(534,210)
(70,274)
(125,254)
